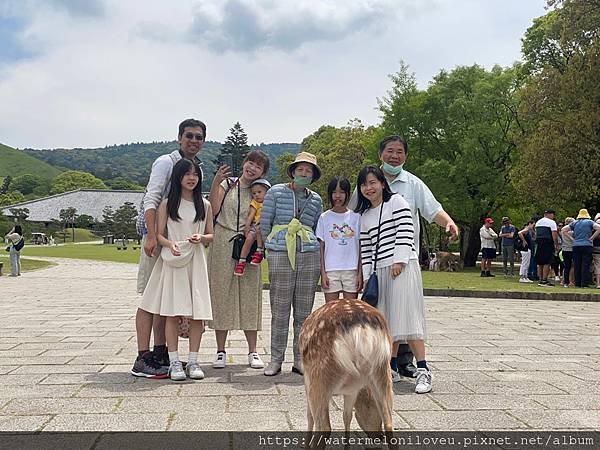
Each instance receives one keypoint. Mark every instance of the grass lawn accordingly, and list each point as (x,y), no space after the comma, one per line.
(98,252)
(27,265)
(468,279)
(81,235)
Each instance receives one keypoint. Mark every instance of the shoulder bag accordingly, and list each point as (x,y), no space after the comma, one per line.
(371,291)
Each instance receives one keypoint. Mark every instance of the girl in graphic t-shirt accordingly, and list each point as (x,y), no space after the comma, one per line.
(338,231)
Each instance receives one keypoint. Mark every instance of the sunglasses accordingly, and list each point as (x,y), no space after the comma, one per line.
(191,136)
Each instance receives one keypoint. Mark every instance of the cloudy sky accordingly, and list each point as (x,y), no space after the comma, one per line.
(99,72)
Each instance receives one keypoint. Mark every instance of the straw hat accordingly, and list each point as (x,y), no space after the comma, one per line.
(583,214)
(306,158)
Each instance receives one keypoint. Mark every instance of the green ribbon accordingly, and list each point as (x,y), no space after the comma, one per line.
(292,229)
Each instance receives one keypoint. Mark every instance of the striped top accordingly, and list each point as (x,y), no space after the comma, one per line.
(397,235)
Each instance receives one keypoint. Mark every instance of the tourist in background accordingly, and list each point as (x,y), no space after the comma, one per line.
(566,248)
(507,233)
(488,247)
(15,242)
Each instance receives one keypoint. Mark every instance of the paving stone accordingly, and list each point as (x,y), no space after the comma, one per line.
(560,420)
(7,369)
(60,406)
(65,368)
(19,380)
(514,388)
(152,388)
(84,378)
(299,420)
(37,360)
(108,422)
(202,388)
(477,365)
(37,391)
(230,421)
(415,402)
(180,405)
(22,423)
(574,401)
(483,402)
(465,420)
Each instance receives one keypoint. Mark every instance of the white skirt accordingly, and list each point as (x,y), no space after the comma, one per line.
(401,302)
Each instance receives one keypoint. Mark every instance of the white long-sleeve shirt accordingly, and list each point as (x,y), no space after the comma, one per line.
(396,236)
(488,237)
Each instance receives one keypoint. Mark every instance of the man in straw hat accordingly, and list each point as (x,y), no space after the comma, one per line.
(584,231)
(289,218)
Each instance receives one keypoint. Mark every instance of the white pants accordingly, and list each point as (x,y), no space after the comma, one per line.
(525,258)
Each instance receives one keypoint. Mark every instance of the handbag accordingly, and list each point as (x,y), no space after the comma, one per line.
(371,291)
(239,239)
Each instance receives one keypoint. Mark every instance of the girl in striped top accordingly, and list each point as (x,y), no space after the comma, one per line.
(390,240)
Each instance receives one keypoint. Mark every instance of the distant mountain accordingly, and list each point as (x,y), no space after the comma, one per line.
(134,161)
(14,162)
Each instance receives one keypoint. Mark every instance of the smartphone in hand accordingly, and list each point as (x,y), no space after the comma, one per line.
(228,160)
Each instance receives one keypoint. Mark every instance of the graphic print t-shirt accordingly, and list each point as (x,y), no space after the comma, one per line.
(341,234)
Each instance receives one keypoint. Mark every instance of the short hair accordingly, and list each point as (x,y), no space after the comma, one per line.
(259,157)
(344,185)
(363,203)
(392,138)
(192,123)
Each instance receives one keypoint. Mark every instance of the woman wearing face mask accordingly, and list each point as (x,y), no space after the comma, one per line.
(288,222)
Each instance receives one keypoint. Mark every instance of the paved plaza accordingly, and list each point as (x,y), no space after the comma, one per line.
(67,344)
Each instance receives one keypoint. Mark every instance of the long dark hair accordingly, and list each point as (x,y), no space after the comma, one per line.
(19,230)
(344,185)
(363,203)
(174,198)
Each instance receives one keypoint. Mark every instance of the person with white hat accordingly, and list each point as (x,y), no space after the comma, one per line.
(288,223)
(584,230)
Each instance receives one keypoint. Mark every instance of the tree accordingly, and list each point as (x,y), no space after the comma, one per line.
(5,185)
(561,108)
(28,184)
(108,218)
(122,184)
(11,198)
(124,220)
(340,151)
(74,179)
(67,216)
(84,221)
(461,140)
(21,214)
(235,146)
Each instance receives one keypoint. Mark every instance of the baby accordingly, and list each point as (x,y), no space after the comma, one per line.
(259,189)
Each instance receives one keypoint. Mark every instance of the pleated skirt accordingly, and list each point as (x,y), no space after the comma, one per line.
(402,303)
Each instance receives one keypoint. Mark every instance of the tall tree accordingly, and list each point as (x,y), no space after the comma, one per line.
(236,147)
(561,108)
(124,220)
(461,139)
(67,216)
(74,179)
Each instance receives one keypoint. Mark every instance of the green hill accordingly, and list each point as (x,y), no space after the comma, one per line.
(133,161)
(16,162)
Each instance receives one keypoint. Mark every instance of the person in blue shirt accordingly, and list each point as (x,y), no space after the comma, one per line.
(584,230)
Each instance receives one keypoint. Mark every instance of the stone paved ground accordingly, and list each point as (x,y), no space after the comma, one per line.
(67,344)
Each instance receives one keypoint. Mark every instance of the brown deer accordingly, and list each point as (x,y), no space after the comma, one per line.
(346,347)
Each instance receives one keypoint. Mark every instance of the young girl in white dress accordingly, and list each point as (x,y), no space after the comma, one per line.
(387,235)
(178,285)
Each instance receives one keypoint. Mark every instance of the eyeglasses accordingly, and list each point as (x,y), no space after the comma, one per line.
(191,136)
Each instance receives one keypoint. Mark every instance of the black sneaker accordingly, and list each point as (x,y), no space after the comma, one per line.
(147,367)
(162,359)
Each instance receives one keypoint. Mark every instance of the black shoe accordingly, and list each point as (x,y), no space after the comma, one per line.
(163,359)
(409,371)
(147,367)
(482,274)
(489,274)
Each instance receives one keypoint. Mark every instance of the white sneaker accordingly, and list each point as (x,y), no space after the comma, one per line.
(176,371)
(220,361)
(556,278)
(273,368)
(523,280)
(255,361)
(395,376)
(423,385)
(194,371)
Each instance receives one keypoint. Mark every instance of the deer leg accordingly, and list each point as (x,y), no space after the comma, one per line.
(349,401)
(384,399)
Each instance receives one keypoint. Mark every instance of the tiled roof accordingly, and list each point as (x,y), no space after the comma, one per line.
(85,201)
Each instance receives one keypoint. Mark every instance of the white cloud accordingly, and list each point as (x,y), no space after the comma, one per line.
(129,73)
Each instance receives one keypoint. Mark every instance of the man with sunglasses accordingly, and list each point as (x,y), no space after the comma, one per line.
(154,364)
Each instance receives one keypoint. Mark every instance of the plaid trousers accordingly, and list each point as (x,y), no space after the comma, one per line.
(291,289)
